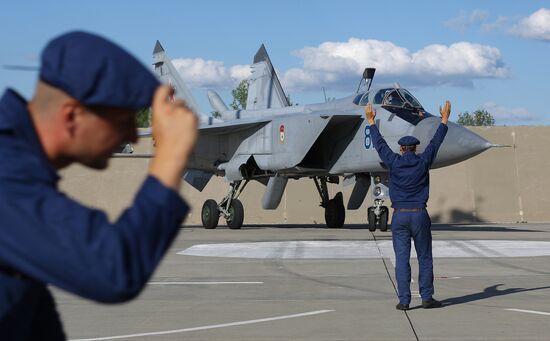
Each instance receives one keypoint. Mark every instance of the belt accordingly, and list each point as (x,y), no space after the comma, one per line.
(409,209)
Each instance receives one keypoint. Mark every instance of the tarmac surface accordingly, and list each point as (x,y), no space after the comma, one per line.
(307,282)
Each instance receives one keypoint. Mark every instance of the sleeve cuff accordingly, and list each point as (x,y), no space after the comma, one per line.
(163,195)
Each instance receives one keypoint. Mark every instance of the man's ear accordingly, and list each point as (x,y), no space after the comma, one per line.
(67,118)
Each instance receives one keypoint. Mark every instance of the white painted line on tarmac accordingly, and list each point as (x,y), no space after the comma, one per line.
(232,324)
(200,283)
(530,311)
(357,249)
(445,277)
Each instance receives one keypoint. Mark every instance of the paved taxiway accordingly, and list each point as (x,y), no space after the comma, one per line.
(311,283)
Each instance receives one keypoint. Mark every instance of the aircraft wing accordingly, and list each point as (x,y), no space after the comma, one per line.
(232,126)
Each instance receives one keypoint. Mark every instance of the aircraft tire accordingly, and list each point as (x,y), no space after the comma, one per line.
(236,212)
(335,212)
(371,217)
(384,219)
(210,214)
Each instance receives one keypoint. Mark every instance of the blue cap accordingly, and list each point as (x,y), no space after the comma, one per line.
(97,72)
(408,141)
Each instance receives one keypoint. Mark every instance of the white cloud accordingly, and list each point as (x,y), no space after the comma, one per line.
(339,64)
(536,26)
(465,20)
(202,73)
(514,115)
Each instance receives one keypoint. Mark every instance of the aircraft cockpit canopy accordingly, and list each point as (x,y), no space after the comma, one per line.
(396,100)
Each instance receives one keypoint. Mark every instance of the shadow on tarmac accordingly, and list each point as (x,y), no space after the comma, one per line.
(435,227)
(489,292)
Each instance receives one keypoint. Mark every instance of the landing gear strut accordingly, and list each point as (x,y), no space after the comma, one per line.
(378,216)
(230,208)
(335,213)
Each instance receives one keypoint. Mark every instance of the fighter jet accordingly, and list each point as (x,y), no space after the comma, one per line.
(272,142)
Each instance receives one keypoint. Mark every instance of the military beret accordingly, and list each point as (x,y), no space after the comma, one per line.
(97,72)
(408,141)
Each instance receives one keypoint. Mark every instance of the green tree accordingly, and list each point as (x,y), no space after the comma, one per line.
(216,114)
(477,118)
(142,118)
(240,94)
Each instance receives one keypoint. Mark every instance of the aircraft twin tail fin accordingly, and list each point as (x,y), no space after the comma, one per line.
(264,89)
(168,74)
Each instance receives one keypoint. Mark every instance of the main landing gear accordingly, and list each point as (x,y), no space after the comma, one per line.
(335,213)
(230,208)
(378,216)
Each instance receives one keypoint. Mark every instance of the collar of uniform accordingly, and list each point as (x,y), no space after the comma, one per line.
(15,116)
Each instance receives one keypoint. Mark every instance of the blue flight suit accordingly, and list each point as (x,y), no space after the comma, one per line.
(409,189)
(47,238)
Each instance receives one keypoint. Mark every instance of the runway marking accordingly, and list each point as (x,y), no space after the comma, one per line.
(530,311)
(445,277)
(223,325)
(200,283)
(357,249)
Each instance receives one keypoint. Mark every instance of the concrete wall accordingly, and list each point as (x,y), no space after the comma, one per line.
(499,185)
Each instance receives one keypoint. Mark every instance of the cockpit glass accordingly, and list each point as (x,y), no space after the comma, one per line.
(357,99)
(364,99)
(410,98)
(393,98)
(379,97)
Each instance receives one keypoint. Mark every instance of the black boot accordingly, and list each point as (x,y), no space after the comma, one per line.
(401,306)
(431,303)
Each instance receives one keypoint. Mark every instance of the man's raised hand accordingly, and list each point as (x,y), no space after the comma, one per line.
(175,134)
(445,112)
(370,113)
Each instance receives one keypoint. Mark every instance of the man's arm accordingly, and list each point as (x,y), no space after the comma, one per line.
(175,134)
(53,239)
(430,152)
(384,151)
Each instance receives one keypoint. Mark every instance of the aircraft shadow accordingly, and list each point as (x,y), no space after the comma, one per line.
(435,227)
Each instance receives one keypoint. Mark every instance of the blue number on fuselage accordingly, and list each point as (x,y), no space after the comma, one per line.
(368,141)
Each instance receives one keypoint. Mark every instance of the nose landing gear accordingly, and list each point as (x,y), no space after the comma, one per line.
(377,216)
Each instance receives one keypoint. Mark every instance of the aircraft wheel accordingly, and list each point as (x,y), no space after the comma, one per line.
(210,214)
(236,215)
(335,213)
(371,217)
(384,219)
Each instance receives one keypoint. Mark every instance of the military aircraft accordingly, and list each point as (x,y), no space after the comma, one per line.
(272,141)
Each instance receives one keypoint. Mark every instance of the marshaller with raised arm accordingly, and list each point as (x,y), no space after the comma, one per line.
(409,183)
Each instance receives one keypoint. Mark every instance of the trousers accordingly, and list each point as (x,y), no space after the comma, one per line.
(416,226)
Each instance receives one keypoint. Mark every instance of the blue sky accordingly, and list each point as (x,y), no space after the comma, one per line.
(479,54)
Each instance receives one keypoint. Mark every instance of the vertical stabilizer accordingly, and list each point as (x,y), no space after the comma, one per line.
(264,89)
(168,74)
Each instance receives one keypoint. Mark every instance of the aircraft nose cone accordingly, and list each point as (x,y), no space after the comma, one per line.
(460,143)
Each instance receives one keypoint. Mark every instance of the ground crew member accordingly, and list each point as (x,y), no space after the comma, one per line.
(88,92)
(409,191)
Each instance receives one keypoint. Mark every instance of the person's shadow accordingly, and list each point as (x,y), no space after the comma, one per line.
(488,292)
(491,291)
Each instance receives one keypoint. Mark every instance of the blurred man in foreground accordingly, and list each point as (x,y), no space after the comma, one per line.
(84,107)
